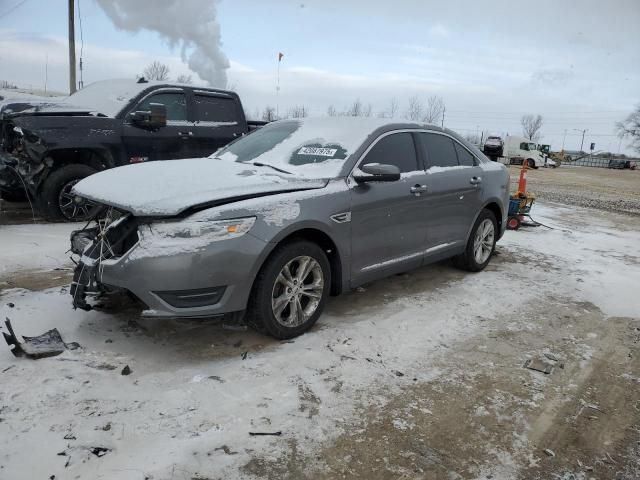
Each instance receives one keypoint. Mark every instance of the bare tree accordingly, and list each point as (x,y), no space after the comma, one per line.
(299,111)
(269,114)
(367,110)
(355,110)
(630,128)
(331,111)
(184,79)
(156,71)
(393,107)
(7,84)
(416,109)
(472,138)
(435,108)
(531,125)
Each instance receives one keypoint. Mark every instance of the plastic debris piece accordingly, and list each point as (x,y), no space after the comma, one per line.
(538,365)
(49,344)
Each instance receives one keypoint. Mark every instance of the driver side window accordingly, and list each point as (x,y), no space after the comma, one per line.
(396,149)
(175,102)
(524,146)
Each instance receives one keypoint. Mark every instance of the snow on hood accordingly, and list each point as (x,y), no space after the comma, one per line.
(169,187)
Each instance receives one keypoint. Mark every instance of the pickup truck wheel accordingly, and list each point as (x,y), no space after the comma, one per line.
(290,291)
(481,243)
(57,203)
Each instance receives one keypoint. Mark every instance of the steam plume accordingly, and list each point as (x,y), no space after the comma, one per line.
(190,25)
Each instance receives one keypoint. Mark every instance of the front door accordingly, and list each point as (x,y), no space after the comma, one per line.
(217,121)
(387,218)
(166,143)
(454,183)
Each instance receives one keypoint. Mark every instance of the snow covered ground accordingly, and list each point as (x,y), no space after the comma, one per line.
(197,390)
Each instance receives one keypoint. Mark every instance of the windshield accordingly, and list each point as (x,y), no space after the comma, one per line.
(314,148)
(533,147)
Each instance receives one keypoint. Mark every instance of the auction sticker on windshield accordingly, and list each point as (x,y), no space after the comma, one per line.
(322,152)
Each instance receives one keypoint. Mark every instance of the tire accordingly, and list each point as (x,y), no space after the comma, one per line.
(468,260)
(54,195)
(262,311)
(531,163)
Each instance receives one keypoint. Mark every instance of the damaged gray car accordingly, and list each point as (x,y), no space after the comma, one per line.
(267,228)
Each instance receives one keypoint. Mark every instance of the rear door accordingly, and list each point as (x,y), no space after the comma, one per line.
(218,120)
(454,184)
(166,143)
(387,218)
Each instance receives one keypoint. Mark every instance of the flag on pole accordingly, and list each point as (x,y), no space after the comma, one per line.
(280,55)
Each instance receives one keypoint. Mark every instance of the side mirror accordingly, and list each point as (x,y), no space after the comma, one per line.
(377,172)
(154,118)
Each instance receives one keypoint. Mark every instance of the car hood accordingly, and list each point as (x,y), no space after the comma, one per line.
(170,187)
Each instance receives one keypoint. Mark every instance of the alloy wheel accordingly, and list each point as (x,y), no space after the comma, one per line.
(297,291)
(72,209)
(483,241)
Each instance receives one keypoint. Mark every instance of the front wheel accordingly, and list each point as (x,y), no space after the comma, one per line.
(58,203)
(290,291)
(481,243)
(531,163)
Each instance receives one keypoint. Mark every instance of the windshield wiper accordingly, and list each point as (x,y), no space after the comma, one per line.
(260,164)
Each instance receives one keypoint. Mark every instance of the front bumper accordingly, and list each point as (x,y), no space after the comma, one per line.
(209,281)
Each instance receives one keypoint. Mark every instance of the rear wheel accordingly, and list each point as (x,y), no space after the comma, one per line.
(58,203)
(290,291)
(481,243)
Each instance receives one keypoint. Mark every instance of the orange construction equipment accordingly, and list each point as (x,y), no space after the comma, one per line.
(520,202)
(522,183)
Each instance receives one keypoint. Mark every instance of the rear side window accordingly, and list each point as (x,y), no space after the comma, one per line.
(464,157)
(440,150)
(211,108)
(395,149)
(175,102)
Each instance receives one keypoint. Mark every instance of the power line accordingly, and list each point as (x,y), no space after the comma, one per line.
(12,8)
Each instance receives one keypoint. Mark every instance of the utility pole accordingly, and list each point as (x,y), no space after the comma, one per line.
(564,137)
(444,109)
(583,132)
(46,72)
(72,48)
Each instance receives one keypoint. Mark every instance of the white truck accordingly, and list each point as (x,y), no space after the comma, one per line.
(520,149)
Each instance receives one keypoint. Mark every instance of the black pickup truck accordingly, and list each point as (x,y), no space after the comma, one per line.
(48,147)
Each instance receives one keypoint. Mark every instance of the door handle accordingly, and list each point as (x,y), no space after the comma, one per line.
(417,189)
(475,180)
(185,134)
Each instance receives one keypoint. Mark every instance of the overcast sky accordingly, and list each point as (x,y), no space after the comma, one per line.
(577,63)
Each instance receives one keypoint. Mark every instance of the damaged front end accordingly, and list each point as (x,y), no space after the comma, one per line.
(107,240)
(12,151)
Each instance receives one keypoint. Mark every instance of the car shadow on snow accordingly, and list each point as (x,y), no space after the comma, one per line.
(117,327)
